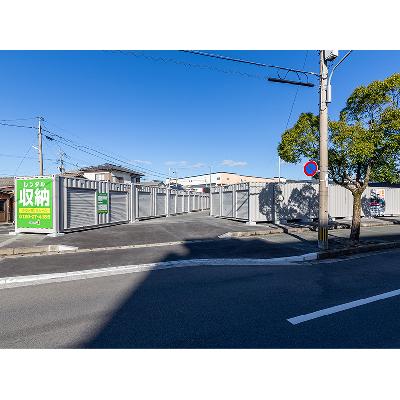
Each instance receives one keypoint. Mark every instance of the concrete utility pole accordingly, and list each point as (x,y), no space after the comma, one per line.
(61,168)
(210,189)
(323,155)
(40,152)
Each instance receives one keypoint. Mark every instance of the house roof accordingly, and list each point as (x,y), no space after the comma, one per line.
(6,181)
(111,168)
(152,183)
(73,174)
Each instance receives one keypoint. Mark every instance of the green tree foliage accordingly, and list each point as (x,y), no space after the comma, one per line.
(364,144)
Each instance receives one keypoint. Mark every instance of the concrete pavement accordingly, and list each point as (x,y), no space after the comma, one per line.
(211,307)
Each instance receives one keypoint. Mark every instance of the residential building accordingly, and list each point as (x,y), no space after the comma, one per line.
(6,199)
(220,178)
(111,173)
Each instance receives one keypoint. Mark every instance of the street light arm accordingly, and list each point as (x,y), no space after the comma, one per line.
(333,69)
(328,88)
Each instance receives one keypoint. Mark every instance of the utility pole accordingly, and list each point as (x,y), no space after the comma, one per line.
(40,152)
(61,168)
(323,155)
(210,191)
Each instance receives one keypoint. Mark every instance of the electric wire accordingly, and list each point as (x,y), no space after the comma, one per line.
(18,119)
(55,136)
(96,153)
(22,160)
(294,101)
(189,64)
(18,126)
(239,60)
(295,96)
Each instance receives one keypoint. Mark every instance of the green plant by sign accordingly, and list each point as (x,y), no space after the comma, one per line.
(102,203)
(34,203)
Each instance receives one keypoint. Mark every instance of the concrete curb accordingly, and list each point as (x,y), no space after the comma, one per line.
(323,255)
(37,250)
(250,233)
(44,251)
(30,280)
(280,229)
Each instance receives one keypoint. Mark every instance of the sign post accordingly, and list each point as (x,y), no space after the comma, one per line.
(34,204)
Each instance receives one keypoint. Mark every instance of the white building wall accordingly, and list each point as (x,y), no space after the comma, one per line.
(221,178)
(114,175)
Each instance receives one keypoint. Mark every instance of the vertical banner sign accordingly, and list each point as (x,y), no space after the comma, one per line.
(102,203)
(34,203)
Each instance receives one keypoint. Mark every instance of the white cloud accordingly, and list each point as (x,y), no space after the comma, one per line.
(198,165)
(232,163)
(185,164)
(176,163)
(144,162)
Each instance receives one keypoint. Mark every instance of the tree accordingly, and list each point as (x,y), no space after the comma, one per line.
(364,143)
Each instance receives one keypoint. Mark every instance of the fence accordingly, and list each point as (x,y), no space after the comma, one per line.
(151,202)
(273,202)
(60,204)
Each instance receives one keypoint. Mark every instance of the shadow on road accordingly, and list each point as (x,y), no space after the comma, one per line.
(193,307)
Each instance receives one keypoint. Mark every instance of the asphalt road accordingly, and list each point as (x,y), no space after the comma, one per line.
(211,307)
(222,248)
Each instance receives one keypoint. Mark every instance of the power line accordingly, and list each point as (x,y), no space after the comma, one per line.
(295,96)
(23,158)
(28,158)
(79,147)
(18,119)
(290,114)
(60,148)
(190,65)
(18,126)
(239,60)
(95,153)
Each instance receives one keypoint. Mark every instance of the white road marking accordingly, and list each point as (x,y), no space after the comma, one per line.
(28,280)
(342,307)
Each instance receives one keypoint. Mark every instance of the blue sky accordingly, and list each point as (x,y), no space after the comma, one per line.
(159,114)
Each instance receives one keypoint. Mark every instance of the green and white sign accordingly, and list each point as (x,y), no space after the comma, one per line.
(102,203)
(34,203)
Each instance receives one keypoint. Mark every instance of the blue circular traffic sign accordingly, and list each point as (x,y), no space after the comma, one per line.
(310,168)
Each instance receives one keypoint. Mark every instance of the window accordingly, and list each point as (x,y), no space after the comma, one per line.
(100,177)
(2,205)
(218,179)
(118,179)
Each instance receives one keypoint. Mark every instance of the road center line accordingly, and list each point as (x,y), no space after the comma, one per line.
(342,307)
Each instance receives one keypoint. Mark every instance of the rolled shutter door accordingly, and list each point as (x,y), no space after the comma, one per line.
(81,208)
(119,206)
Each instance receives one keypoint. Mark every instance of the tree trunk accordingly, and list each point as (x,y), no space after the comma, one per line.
(356,221)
